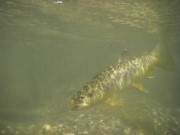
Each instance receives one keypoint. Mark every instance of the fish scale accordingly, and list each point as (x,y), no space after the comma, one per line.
(120,75)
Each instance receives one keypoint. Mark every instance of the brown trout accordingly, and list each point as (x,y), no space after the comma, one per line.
(120,75)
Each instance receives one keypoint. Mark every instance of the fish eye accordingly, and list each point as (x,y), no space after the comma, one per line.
(82,97)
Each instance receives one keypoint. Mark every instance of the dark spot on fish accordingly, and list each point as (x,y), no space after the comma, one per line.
(90,94)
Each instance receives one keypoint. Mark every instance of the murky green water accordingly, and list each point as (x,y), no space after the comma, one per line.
(48,51)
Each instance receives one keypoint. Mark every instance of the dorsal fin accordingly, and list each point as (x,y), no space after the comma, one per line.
(124,53)
(123,56)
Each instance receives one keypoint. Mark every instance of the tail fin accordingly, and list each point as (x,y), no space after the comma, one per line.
(165,59)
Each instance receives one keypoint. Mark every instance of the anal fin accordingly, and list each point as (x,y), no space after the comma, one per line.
(140,87)
(150,73)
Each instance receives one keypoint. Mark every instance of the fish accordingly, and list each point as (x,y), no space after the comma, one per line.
(121,75)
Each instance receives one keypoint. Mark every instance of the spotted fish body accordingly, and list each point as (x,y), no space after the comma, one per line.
(120,75)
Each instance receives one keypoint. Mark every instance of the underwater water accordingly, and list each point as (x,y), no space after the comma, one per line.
(49,49)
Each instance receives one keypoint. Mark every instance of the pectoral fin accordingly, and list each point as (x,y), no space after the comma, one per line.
(114,100)
(140,86)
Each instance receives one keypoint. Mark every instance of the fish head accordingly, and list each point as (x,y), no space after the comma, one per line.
(81,99)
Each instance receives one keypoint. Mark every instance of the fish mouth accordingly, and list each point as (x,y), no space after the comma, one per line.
(77,106)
